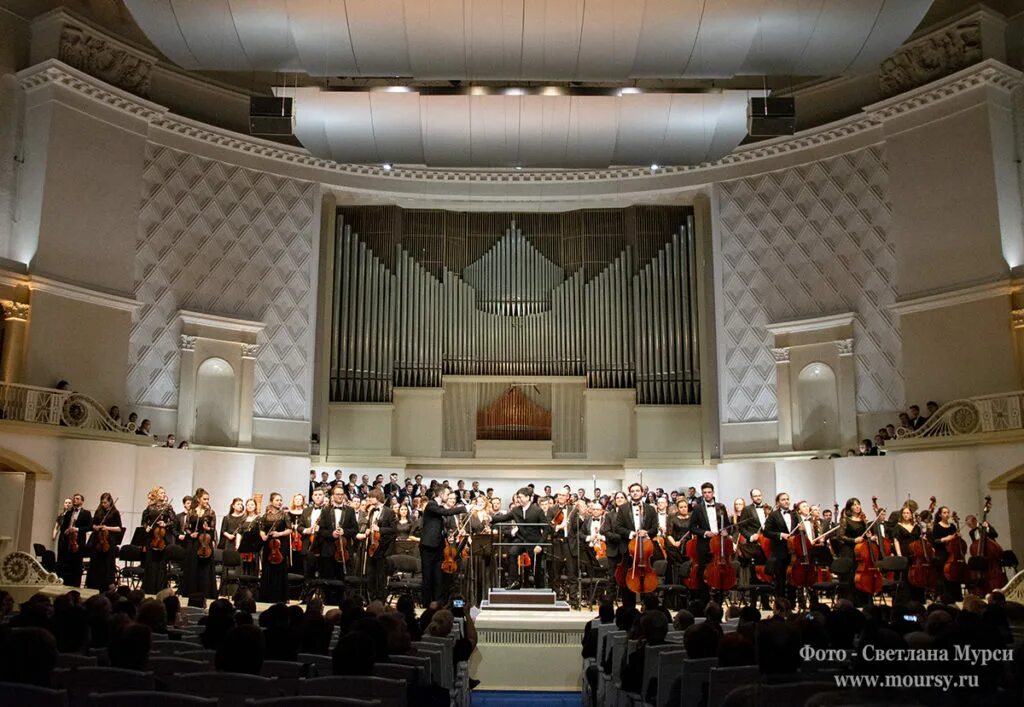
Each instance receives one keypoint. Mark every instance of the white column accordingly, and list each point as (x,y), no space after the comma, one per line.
(246,385)
(187,388)
(846,381)
(783,397)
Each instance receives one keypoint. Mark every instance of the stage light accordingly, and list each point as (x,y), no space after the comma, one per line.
(386,166)
(655,167)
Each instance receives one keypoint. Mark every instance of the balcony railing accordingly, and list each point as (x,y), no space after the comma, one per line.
(987,413)
(49,406)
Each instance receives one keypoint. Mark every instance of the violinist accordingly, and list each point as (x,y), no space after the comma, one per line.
(778,526)
(562,551)
(380,538)
(182,520)
(65,507)
(853,526)
(408,528)
(432,540)
(296,559)
(531,530)
(158,522)
(229,525)
(479,518)
(708,518)
(197,575)
(249,541)
(74,524)
(337,525)
(942,530)
(661,537)
(106,533)
(308,527)
(275,532)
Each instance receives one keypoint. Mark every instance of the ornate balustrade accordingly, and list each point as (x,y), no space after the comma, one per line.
(969,416)
(50,406)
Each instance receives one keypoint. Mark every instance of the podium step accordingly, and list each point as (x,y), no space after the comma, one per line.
(523,600)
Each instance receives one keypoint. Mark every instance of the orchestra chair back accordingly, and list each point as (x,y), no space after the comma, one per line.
(168,665)
(18,694)
(150,699)
(433,652)
(230,689)
(391,693)
(84,681)
(287,673)
(722,681)
(696,674)
(167,647)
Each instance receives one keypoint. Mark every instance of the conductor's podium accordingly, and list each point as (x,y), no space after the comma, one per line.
(523,600)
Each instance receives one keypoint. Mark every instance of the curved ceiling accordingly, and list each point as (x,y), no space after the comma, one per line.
(520,131)
(530,40)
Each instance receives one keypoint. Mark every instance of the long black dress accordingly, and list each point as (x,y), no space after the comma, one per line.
(250,544)
(101,564)
(274,580)
(846,539)
(197,575)
(903,538)
(950,591)
(228,526)
(154,562)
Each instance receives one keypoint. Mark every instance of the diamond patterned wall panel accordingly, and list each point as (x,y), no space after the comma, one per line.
(225,240)
(806,242)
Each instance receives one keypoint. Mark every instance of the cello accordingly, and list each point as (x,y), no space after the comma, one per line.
(990,552)
(801,572)
(922,572)
(955,569)
(720,573)
(641,578)
(692,581)
(867,577)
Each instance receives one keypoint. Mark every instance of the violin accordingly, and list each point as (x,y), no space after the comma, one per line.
(372,541)
(275,557)
(103,535)
(993,576)
(296,540)
(341,549)
(204,548)
(720,573)
(450,565)
(955,569)
(641,578)
(600,548)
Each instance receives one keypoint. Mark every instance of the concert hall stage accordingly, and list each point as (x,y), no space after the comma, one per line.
(523,649)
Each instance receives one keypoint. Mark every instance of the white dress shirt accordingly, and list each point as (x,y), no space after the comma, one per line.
(712,514)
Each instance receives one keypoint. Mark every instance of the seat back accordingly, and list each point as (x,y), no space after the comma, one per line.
(722,681)
(287,673)
(619,645)
(18,694)
(658,659)
(433,652)
(391,693)
(794,694)
(603,632)
(174,664)
(421,663)
(311,701)
(668,666)
(174,647)
(135,698)
(396,671)
(324,664)
(230,689)
(695,680)
(84,681)
(447,646)
(204,655)
(75,660)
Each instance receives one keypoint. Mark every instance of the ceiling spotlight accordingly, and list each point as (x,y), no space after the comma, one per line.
(514,92)
(398,89)
(519,168)
(386,166)
(655,167)
(629,89)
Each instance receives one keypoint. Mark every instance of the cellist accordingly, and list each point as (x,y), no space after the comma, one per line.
(905,532)
(942,530)
(634,519)
(751,523)
(853,525)
(707,519)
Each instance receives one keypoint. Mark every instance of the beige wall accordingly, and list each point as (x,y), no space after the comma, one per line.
(85,344)
(959,351)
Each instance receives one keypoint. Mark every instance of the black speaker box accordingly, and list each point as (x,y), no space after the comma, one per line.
(770,117)
(271,116)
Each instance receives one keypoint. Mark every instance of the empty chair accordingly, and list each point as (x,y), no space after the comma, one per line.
(101,655)
(84,681)
(312,701)
(131,565)
(667,666)
(397,671)
(18,694)
(421,663)
(163,665)
(230,689)
(323,663)
(391,693)
(75,660)
(695,676)
(722,681)
(150,699)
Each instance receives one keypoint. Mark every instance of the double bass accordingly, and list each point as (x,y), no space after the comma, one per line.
(922,572)
(990,552)
(955,570)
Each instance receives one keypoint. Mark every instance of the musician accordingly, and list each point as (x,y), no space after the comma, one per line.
(308,527)
(827,521)
(249,542)
(432,540)
(906,531)
(157,514)
(942,530)
(197,576)
(708,519)
(276,525)
(381,521)
(295,510)
(181,521)
(853,530)
(563,552)
(229,524)
(65,507)
(595,528)
(974,530)
(101,572)
(634,519)
(778,526)
(407,527)
(664,517)
(313,484)
(392,488)
(738,506)
(78,521)
(678,533)
(337,525)
(528,538)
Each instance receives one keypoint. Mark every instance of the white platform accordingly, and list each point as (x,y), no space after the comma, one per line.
(529,650)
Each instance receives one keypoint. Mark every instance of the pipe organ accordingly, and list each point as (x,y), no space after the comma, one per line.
(609,296)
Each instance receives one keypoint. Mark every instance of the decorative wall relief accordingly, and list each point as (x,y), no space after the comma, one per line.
(932,57)
(105,60)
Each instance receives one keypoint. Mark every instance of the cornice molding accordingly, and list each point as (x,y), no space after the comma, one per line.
(801,326)
(244,326)
(986,73)
(38,283)
(950,298)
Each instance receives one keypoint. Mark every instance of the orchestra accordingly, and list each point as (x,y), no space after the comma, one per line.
(467,541)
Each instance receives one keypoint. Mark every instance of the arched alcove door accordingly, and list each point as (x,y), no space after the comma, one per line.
(216,403)
(816,407)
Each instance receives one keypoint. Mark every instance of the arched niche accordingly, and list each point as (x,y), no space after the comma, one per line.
(816,407)
(18,476)
(216,403)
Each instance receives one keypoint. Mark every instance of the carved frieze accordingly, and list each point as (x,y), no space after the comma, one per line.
(15,310)
(101,58)
(250,350)
(844,347)
(781,355)
(932,57)
(188,343)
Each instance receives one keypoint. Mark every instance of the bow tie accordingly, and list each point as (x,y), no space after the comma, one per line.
(637,505)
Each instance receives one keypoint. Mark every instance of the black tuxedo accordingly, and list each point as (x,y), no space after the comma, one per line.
(774,526)
(310,542)
(69,565)
(526,538)
(749,524)
(375,566)
(613,540)
(700,524)
(625,528)
(432,536)
(329,568)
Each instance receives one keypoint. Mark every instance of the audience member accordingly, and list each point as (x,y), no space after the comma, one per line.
(242,650)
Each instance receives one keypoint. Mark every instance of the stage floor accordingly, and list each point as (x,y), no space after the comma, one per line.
(529,650)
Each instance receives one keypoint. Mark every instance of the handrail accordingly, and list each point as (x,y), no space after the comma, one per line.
(50,406)
(1000,412)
